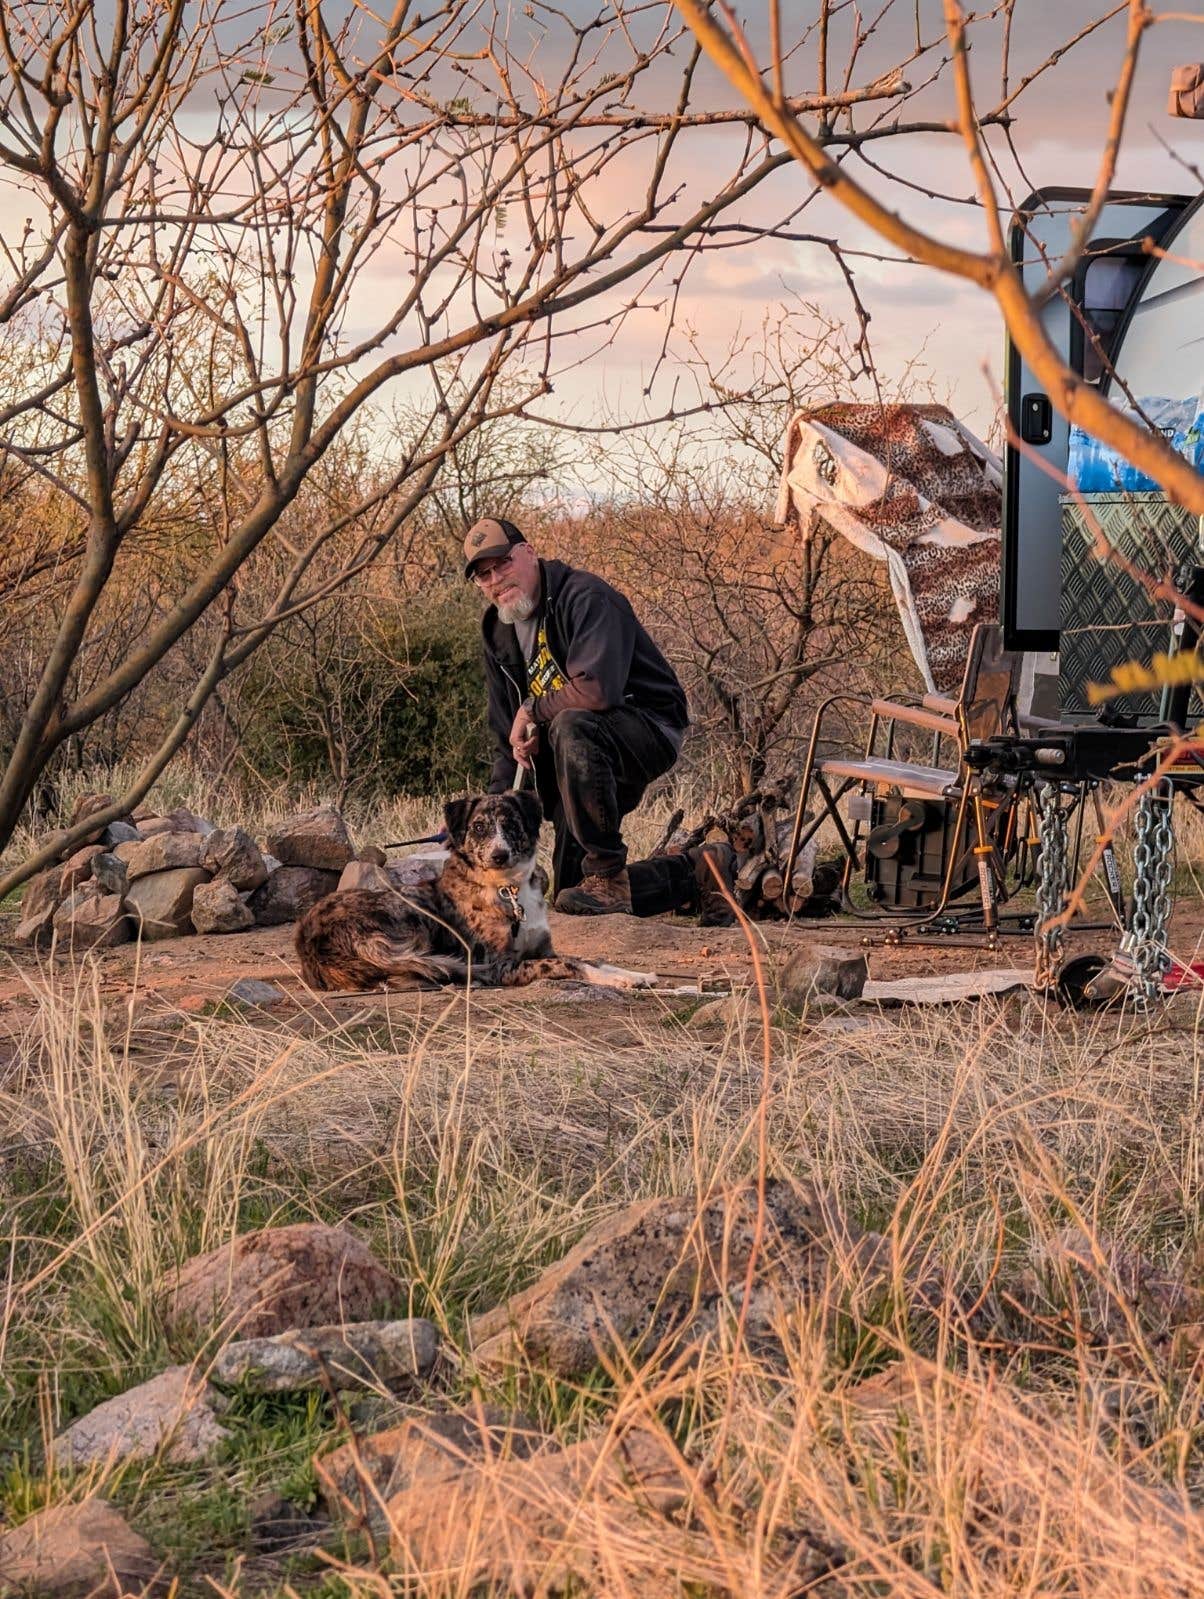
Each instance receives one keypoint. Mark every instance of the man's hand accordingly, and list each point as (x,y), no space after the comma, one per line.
(524,737)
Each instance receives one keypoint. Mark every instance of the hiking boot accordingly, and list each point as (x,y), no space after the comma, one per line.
(597,896)
(713,908)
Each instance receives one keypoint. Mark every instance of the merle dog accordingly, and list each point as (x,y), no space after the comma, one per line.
(484,918)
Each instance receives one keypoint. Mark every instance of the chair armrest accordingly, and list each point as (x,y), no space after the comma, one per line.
(939,703)
(915,716)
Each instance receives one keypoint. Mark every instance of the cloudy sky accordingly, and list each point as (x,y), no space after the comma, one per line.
(917,316)
(1061,121)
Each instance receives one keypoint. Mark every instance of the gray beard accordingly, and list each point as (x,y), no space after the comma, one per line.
(517,611)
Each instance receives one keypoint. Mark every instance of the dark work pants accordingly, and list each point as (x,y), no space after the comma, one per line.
(592,769)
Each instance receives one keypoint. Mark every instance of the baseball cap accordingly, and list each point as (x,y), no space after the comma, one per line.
(490,537)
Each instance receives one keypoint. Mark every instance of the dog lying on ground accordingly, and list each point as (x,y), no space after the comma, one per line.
(484,918)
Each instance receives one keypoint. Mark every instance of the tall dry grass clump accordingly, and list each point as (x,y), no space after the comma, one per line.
(1001,1393)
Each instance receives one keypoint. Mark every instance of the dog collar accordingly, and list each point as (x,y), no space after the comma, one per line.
(510,901)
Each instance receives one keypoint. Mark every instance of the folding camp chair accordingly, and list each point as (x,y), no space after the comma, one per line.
(936,830)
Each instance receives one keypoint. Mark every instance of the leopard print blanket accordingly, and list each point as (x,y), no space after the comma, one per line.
(914,488)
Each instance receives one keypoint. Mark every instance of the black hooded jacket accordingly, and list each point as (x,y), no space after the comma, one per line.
(605,656)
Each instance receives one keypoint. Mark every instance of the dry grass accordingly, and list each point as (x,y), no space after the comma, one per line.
(1014,1449)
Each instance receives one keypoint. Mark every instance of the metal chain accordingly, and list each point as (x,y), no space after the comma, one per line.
(1145,941)
(1052,884)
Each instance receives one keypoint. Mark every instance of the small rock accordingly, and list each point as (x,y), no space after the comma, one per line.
(109,873)
(349,1355)
(716,1012)
(289,892)
(274,1524)
(413,870)
(161,904)
(364,874)
(78,868)
(162,852)
(181,820)
(251,991)
(1115,1289)
(119,833)
(318,839)
(373,854)
(88,919)
(826,973)
(75,1551)
(234,855)
(46,889)
(174,1413)
(541,1524)
(279,1278)
(649,1271)
(35,930)
(358,1477)
(218,907)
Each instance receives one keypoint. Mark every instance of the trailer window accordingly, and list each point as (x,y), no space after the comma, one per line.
(1108,284)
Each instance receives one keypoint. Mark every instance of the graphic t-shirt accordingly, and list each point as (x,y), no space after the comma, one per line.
(543,674)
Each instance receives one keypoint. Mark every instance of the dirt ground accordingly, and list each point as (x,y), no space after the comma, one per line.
(194,974)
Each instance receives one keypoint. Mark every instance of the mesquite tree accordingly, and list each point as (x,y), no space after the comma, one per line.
(239,230)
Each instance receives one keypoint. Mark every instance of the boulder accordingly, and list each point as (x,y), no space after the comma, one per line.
(88,919)
(218,907)
(544,1523)
(317,838)
(366,1354)
(77,869)
(360,1476)
(364,874)
(161,904)
(656,1271)
(87,805)
(233,854)
(267,1282)
(75,1551)
(289,892)
(110,874)
(174,1414)
(162,852)
(119,833)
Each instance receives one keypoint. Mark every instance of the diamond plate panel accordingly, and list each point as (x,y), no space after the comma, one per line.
(1107,616)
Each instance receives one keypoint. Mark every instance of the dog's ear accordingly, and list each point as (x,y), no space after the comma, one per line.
(530,809)
(456,814)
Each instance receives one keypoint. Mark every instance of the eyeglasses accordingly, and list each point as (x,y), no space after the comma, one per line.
(486,573)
